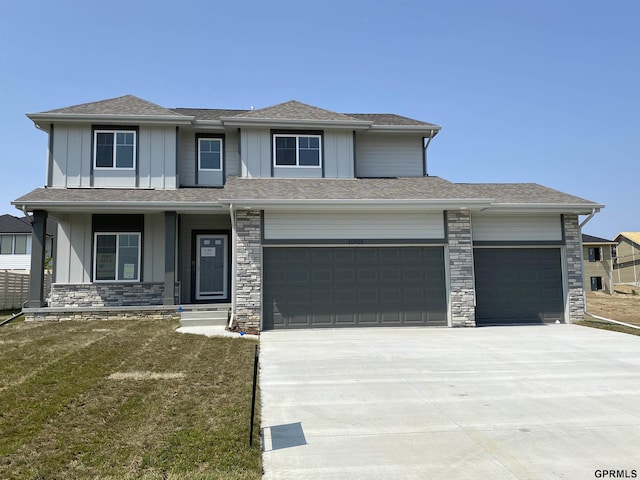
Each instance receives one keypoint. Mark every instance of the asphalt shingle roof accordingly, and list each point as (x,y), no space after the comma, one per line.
(591,239)
(125,105)
(130,105)
(11,224)
(521,193)
(121,195)
(294,110)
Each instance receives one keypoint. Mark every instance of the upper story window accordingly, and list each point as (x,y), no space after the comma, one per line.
(114,149)
(595,254)
(293,150)
(14,245)
(210,154)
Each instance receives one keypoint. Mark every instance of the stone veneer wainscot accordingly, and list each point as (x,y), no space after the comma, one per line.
(463,310)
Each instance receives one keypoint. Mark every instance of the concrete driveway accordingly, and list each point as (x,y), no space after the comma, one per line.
(530,402)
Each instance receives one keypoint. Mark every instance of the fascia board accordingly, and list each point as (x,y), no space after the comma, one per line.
(406,129)
(84,118)
(71,206)
(379,204)
(576,208)
(277,123)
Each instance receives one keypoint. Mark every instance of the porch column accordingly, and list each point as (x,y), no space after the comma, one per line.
(169,258)
(572,237)
(36,277)
(248,258)
(462,284)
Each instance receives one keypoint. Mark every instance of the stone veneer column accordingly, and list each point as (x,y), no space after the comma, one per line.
(248,261)
(574,267)
(462,288)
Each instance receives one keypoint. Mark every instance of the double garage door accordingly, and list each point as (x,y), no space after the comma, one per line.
(353,286)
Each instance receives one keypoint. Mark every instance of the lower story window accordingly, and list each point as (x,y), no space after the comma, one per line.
(596,283)
(117,257)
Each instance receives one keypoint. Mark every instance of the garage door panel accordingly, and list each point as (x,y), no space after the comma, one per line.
(518,285)
(363,286)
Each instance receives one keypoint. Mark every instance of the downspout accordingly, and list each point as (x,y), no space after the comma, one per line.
(584,290)
(233,266)
(424,153)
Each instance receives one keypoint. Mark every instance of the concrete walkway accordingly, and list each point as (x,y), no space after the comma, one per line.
(545,402)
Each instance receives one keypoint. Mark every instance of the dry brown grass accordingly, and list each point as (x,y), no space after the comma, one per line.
(622,305)
(122,399)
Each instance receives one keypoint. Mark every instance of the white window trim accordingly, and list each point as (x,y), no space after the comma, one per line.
(95,256)
(297,137)
(95,149)
(218,139)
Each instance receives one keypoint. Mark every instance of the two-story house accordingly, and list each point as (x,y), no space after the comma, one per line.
(627,261)
(293,216)
(598,263)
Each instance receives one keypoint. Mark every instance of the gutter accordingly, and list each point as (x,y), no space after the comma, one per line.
(12,317)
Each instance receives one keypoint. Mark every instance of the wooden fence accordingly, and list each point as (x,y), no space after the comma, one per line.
(14,288)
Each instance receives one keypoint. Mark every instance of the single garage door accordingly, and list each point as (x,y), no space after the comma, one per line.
(518,285)
(349,287)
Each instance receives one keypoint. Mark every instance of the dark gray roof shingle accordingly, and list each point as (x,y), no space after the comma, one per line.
(294,110)
(120,195)
(591,239)
(390,119)
(207,113)
(11,224)
(125,105)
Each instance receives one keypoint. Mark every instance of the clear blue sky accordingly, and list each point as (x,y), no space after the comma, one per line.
(544,91)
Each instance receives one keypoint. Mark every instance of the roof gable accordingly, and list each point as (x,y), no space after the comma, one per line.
(126,105)
(294,110)
(591,239)
(11,224)
(633,236)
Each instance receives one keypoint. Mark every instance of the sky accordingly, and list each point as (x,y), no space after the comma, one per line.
(544,91)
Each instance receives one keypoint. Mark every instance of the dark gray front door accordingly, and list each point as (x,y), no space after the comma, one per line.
(211,267)
(349,287)
(518,285)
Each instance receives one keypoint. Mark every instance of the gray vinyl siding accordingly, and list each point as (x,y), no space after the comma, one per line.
(256,152)
(72,159)
(189,160)
(534,228)
(353,225)
(153,252)
(392,155)
(73,251)
(257,156)
(156,157)
(71,156)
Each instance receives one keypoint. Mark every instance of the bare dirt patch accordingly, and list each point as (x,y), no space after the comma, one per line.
(622,305)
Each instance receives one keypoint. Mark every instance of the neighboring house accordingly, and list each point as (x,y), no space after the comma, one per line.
(597,254)
(292,216)
(627,262)
(15,242)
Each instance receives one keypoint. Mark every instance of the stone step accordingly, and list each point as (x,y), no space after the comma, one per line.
(203,322)
(206,315)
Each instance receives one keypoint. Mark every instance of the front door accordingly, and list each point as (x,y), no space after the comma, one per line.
(211,267)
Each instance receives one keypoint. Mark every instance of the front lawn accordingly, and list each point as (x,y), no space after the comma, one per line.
(623,305)
(124,399)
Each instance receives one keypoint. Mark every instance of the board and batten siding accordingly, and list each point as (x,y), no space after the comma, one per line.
(389,155)
(189,158)
(73,159)
(73,248)
(256,145)
(534,228)
(353,225)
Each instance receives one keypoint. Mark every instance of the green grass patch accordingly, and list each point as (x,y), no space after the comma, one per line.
(595,323)
(124,399)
